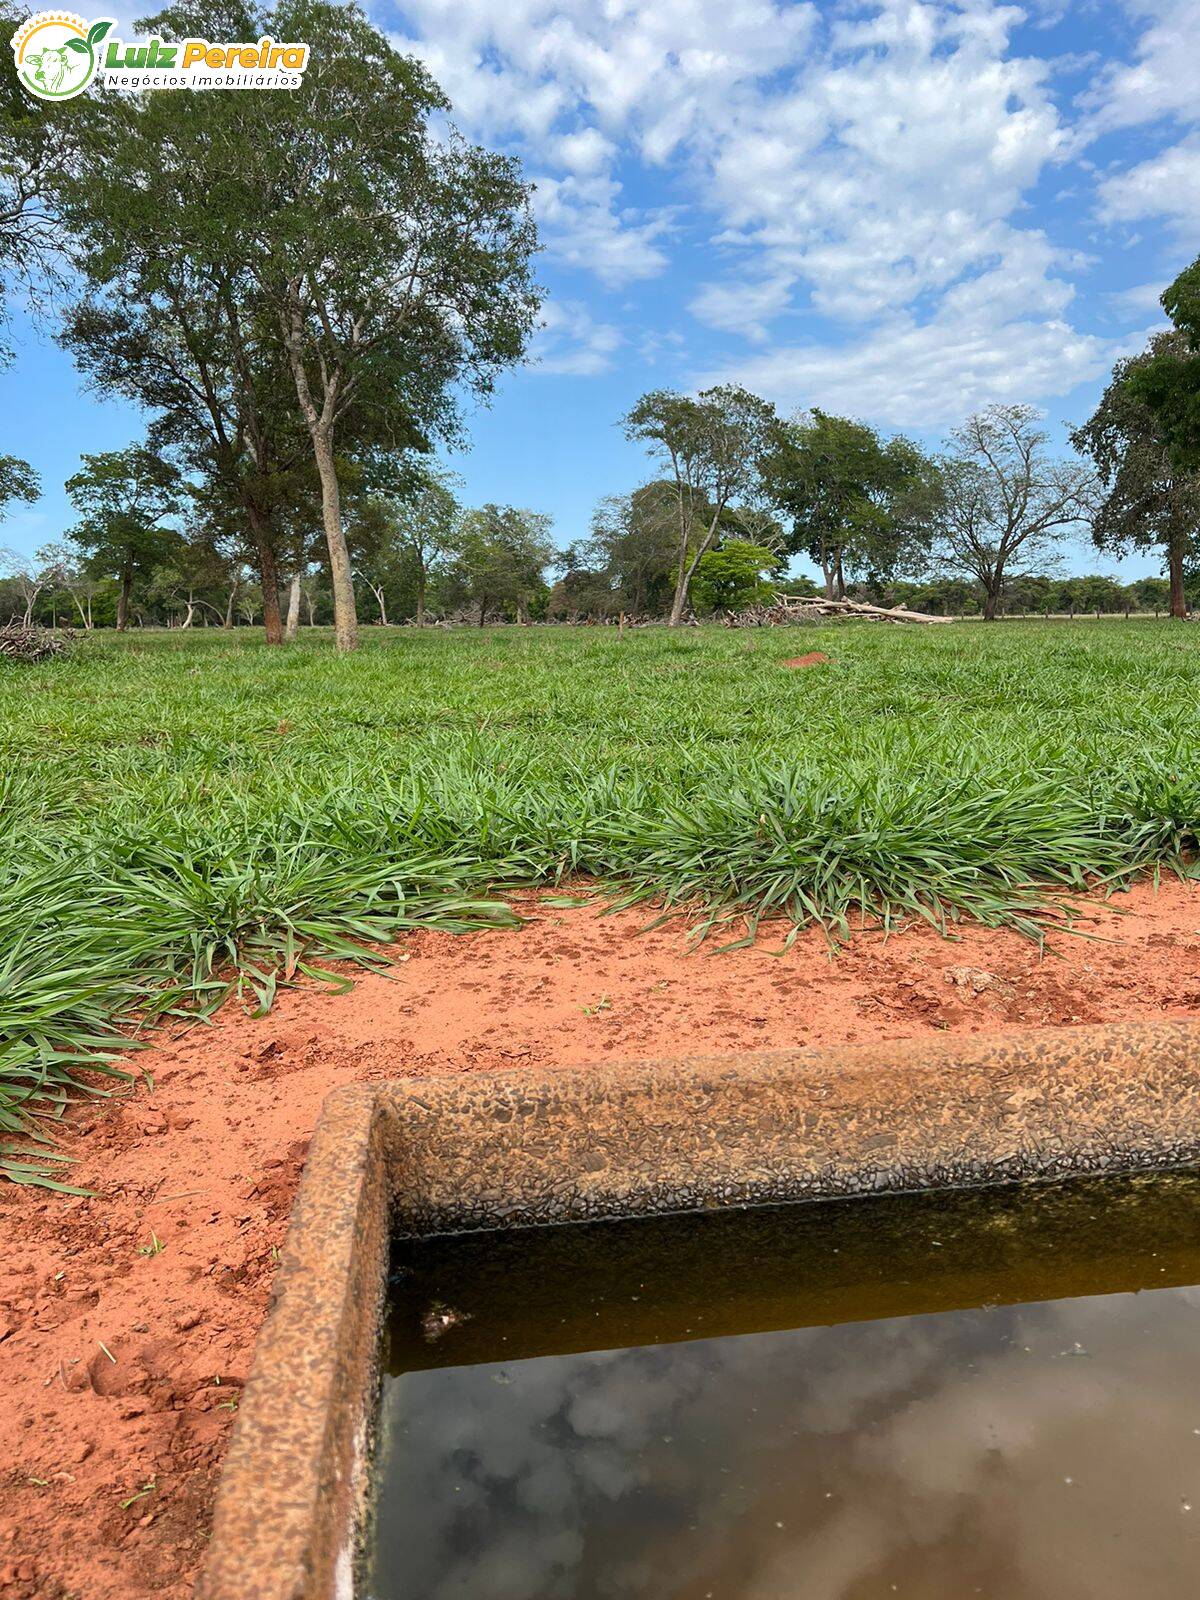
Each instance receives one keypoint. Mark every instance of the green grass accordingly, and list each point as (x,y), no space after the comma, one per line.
(177,809)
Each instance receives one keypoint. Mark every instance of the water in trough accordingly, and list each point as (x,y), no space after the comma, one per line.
(940,1396)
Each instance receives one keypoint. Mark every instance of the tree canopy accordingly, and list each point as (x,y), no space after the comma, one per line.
(124,496)
(1005,497)
(1168,382)
(1147,501)
(857,504)
(735,575)
(326,236)
(713,444)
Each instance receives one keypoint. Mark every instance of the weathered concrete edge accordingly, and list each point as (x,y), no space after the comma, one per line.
(502,1150)
(288,1500)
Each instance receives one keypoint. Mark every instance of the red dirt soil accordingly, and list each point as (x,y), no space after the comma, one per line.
(814,658)
(127,1321)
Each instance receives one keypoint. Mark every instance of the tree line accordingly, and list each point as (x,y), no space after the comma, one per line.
(300,290)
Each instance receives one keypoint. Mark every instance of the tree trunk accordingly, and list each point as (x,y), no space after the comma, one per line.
(381,602)
(679,598)
(841,581)
(990,601)
(191,612)
(482,610)
(421,594)
(345,617)
(123,595)
(320,423)
(228,622)
(687,569)
(268,573)
(1175,549)
(293,610)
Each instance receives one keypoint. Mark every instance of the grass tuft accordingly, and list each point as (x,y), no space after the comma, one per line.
(188,816)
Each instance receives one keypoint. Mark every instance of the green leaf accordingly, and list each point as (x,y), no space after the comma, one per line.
(78,46)
(97,31)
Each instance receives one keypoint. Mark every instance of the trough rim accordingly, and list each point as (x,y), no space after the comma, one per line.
(616,1139)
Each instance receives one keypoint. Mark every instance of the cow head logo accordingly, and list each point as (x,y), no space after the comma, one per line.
(56,53)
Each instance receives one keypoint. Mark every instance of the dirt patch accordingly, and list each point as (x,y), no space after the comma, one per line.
(814,658)
(127,1321)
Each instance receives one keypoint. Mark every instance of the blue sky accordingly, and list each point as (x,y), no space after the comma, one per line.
(898,211)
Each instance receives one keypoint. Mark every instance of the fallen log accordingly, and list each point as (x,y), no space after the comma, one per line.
(791,609)
(817,606)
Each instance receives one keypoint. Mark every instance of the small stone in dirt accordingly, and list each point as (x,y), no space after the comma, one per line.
(814,658)
(976,980)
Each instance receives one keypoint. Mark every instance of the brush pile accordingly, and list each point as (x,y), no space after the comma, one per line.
(27,642)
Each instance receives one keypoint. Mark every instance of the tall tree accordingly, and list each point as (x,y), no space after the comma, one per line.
(713,444)
(196,576)
(29,576)
(1006,497)
(391,263)
(325,233)
(377,554)
(18,481)
(1148,502)
(627,563)
(504,553)
(424,522)
(171,324)
(1168,383)
(125,497)
(62,565)
(857,504)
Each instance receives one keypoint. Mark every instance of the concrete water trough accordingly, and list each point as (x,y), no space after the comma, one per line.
(417,1157)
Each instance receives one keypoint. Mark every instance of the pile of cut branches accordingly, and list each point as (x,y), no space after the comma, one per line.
(21,641)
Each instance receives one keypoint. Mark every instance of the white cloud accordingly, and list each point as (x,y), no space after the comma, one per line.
(569,341)
(585,151)
(1139,298)
(1166,186)
(569,79)
(1157,85)
(587,229)
(893,164)
(744,306)
(928,375)
(865,160)
(870,163)
(1161,79)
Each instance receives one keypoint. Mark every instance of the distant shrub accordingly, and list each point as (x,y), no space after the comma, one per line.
(19,642)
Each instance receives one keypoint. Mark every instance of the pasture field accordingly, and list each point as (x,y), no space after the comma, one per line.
(183,809)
